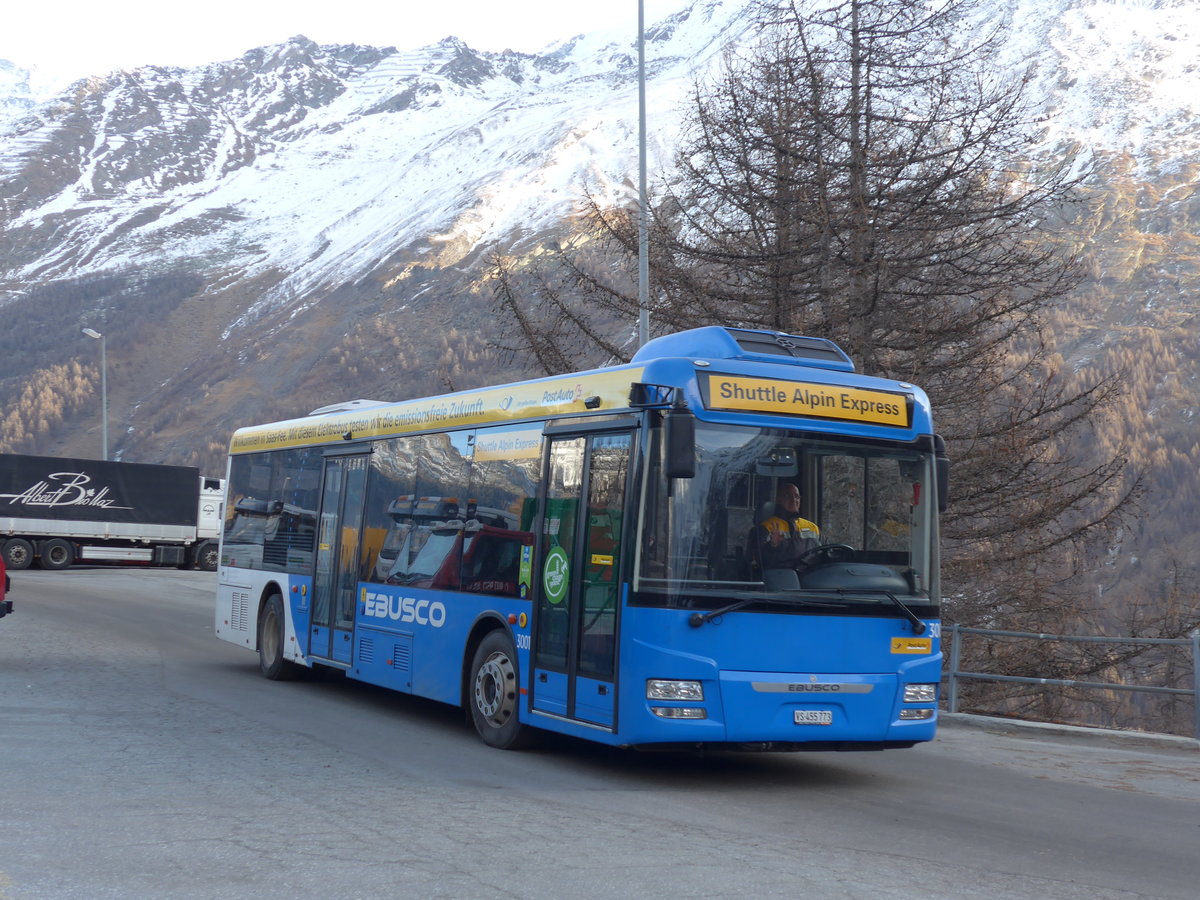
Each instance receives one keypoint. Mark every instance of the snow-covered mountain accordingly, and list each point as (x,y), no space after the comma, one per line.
(16,95)
(319,163)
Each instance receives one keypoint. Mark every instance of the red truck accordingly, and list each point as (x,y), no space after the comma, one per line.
(5,603)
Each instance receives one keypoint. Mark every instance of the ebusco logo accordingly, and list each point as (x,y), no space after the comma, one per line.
(378,605)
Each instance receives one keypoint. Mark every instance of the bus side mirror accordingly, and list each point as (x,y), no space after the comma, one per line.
(679,428)
(942,462)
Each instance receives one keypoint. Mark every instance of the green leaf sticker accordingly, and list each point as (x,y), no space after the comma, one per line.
(555,575)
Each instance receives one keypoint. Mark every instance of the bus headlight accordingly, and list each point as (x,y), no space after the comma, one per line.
(910,714)
(920,693)
(662,689)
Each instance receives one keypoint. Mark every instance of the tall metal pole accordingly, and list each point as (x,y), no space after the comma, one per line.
(92,333)
(643,239)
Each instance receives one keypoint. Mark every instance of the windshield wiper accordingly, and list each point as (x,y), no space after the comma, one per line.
(918,626)
(698,619)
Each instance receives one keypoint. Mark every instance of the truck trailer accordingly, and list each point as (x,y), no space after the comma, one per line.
(56,511)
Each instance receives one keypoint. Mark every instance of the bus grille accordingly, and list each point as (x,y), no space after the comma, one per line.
(366,651)
(239,613)
(402,656)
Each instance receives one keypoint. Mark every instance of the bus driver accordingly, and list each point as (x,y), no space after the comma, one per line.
(784,537)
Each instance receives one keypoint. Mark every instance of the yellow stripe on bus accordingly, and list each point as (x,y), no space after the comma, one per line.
(562,396)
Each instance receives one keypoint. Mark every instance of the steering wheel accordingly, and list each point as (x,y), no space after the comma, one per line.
(827,553)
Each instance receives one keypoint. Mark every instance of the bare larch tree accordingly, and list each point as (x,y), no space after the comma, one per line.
(863,172)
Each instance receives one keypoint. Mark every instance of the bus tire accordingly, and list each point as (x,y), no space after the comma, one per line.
(57,554)
(271,624)
(207,556)
(493,693)
(18,554)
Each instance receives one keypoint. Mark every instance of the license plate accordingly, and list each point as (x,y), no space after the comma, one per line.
(813,716)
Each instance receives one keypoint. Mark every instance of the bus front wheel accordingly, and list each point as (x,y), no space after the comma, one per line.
(271,642)
(494,693)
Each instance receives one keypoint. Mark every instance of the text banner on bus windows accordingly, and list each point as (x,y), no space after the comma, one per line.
(533,400)
(796,398)
(524,444)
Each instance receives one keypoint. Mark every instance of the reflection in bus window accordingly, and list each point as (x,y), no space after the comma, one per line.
(492,561)
(391,483)
(270,520)
(411,518)
(436,564)
(482,483)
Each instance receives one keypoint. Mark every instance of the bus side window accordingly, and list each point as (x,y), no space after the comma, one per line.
(505,471)
(443,472)
(388,519)
(270,522)
(491,564)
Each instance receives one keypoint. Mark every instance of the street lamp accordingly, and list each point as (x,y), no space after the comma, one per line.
(643,237)
(93,333)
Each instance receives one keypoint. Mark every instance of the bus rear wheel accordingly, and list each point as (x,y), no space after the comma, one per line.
(271,641)
(494,692)
(57,554)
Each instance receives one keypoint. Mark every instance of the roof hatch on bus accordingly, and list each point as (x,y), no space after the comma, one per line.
(714,342)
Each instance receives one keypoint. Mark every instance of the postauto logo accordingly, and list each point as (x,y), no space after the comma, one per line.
(382,605)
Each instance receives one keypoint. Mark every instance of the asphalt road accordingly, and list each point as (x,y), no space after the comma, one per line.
(140,757)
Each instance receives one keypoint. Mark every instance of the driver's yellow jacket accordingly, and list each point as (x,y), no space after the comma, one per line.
(796,536)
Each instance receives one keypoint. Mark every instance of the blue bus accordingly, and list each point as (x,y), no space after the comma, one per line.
(594,560)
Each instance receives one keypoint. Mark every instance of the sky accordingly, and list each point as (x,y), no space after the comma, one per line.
(67,39)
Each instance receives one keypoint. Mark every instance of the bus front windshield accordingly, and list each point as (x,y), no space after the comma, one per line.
(860,516)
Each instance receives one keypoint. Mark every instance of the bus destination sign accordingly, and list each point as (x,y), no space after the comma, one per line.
(798,398)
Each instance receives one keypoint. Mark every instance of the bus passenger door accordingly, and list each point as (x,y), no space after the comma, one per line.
(335,581)
(575,616)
